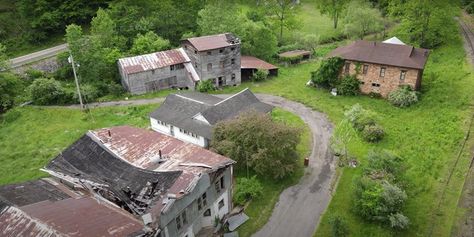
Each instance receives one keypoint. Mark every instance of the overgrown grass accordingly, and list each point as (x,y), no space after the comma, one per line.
(260,210)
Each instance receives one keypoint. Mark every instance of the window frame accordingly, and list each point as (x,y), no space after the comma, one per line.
(403,74)
(219,205)
(382,71)
(365,69)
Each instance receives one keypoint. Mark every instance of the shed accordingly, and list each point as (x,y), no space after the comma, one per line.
(295,56)
(250,64)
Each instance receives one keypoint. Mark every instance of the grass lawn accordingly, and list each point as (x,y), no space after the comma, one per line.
(260,210)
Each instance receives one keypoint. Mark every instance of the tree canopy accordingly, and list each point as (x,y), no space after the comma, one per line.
(362,19)
(332,8)
(257,142)
(149,43)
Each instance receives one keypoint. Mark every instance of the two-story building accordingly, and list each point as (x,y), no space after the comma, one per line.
(382,67)
(175,188)
(190,116)
(214,57)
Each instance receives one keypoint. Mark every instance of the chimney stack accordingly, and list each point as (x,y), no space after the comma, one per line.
(108,131)
(159,153)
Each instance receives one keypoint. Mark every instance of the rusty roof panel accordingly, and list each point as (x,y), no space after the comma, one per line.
(15,222)
(209,42)
(249,62)
(152,61)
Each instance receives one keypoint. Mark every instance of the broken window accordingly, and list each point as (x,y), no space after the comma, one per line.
(221,50)
(209,52)
(185,220)
(232,61)
(204,199)
(207,212)
(221,203)
(365,69)
(199,201)
(178,222)
(232,78)
(382,71)
(219,185)
(402,75)
(233,48)
(209,66)
(222,182)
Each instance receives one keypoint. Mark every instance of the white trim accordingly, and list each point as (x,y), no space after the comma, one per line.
(246,89)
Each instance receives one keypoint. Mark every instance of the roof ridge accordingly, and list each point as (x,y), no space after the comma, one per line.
(190,99)
(232,96)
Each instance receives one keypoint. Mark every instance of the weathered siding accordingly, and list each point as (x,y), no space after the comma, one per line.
(388,83)
(189,203)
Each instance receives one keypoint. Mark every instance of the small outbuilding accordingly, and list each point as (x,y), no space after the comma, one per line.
(249,65)
(295,56)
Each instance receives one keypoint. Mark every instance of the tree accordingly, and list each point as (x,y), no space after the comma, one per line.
(327,75)
(283,12)
(3,57)
(149,43)
(220,17)
(362,19)
(333,8)
(10,87)
(341,138)
(44,91)
(257,142)
(424,22)
(258,40)
(206,86)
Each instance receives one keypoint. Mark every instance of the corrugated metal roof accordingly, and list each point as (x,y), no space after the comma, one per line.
(383,53)
(209,42)
(152,61)
(294,53)
(249,62)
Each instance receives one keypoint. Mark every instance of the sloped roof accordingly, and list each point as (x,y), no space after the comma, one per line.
(152,61)
(249,62)
(30,192)
(383,53)
(180,109)
(293,53)
(394,40)
(87,160)
(209,42)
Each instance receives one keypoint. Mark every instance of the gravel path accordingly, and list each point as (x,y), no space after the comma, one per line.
(36,56)
(299,207)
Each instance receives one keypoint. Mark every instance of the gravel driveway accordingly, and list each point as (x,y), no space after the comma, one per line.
(301,206)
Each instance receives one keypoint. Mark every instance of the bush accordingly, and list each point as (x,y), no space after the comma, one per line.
(64,71)
(359,117)
(349,85)
(206,86)
(398,221)
(260,75)
(32,74)
(44,91)
(373,133)
(115,89)
(339,227)
(470,8)
(383,162)
(247,189)
(328,73)
(10,88)
(89,93)
(403,97)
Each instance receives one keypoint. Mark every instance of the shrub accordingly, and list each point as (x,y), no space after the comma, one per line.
(398,221)
(115,89)
(64,71)
(260,75)
(403,97)
(339,227)
(373,133)
(470,8)
(247,189)
(32,74)
(328,73)
(206,86)
(359,117)
(45,91)
(349,85)
(89,93)
(10,88)
(383,162)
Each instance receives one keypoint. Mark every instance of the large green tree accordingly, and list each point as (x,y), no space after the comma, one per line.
(283,15)
(10,88)
(257,142)
(149,43)
(220,17)
(3,57)
(258,40)
(332,8)
(362,19)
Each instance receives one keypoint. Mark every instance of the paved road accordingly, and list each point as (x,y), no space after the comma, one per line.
(300,207)
(36,56)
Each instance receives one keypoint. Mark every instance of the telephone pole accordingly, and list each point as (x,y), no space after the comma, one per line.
(71,61)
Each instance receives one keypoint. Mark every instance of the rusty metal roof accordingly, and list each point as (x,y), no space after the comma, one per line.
(31,192)
(249,62)
(383,53)
(294,53)
(152,61)
(209,42)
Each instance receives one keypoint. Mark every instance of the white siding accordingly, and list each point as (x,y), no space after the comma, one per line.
(225,209)
(200,141)
(160,128)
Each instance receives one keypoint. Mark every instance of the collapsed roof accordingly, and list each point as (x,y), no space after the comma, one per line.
(383,53)
(182,110)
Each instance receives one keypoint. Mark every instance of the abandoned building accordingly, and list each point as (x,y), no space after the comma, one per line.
(123,181)
(214,57)
(294,56)
(190,116)
(249,65)
(46,207)
(382,67)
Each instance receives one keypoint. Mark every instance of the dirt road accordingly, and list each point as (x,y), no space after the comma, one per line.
(36,56)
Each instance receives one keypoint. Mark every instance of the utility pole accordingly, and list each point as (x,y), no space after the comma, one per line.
(71,61)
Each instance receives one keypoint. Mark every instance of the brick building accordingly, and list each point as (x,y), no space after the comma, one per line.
(382,67)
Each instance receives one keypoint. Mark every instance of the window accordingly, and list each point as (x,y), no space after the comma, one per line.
(178,222)
(204,199)
(207,212)
(209,52)
(382,72)
(195,65)
(209,66)
(183,215)
(219,185)
(232,61)
(172,67)
(365,69)
(221,50)
(233,48)
(347,67)
(221,203)
(403,73)
(232,78)
(375,84)
(222,182)
(195,52)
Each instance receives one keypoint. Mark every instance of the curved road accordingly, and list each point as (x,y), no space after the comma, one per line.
(36,56)
(299,207)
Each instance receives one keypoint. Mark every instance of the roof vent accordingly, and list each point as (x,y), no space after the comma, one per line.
(109,133)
